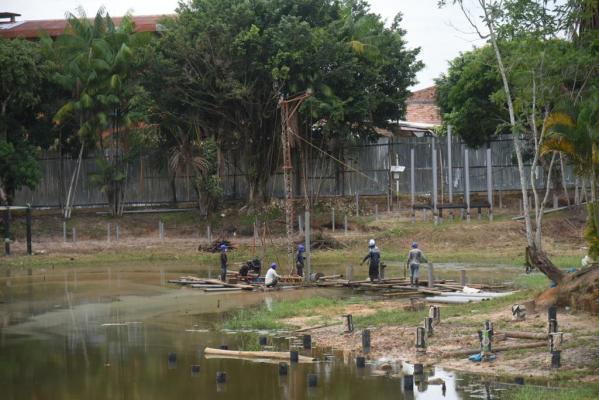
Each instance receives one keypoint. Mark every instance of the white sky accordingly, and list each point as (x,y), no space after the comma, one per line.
(438,32)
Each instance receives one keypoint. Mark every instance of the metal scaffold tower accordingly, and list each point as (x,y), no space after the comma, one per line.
(289,128)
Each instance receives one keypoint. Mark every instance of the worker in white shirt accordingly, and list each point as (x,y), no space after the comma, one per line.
(272,278)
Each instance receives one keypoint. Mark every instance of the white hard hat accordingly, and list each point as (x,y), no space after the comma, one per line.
(371,243)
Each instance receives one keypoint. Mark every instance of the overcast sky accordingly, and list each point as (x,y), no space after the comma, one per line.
(440,33)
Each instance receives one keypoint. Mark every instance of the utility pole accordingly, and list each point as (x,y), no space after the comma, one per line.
(289,128)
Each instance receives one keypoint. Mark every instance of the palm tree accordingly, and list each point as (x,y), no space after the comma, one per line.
(575,133)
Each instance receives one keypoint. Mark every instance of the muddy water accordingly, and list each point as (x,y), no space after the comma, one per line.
(107,334)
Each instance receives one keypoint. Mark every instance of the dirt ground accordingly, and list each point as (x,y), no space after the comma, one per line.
(580,349)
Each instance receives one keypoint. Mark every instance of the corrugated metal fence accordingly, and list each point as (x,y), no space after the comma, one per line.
(149,185)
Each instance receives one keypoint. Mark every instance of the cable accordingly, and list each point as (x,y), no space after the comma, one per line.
(337,160)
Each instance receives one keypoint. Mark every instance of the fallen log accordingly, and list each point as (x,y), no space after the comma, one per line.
(524,335)
(278,355)
(507,347)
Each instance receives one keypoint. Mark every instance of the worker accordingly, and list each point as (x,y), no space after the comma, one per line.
(223,262)
(415,256)
(374,259)
(272,278)
(299,260)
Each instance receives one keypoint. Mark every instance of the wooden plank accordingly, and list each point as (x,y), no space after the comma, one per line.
(222,289)
(278,355)
(230,285)
(205,285)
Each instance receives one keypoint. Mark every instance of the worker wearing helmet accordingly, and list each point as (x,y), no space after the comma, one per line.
(223,262)
(415,257)
(299,260)
(374,259)
(272,278)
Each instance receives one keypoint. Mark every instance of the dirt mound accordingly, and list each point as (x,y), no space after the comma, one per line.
(579,290)
(214,247)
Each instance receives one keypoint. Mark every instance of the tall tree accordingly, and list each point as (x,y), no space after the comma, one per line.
(240,57)
(22,71)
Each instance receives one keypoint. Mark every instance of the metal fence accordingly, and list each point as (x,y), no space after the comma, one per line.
(146,184)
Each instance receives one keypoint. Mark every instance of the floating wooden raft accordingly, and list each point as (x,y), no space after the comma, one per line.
(277,355)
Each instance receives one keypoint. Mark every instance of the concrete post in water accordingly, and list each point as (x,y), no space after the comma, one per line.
(418,369)
(350,272)
(74,235)
(349,323)
(221,377)
(420,339)
(366,341)
(307,342)
(463,279)
(172,360)
(308,236)
(360,362)
(467,182)
(28,223)
(408,383)
(449,165)
(117,232)
(312,380)
(64,231)
(345,224)
(108,228)
(333,219)
(283,368)
(293,356)
(490,181)
(431,275)
(428,326)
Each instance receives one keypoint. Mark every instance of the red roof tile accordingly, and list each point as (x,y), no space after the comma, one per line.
(54,27)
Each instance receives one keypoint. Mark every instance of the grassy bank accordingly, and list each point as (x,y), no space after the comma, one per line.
(273,318)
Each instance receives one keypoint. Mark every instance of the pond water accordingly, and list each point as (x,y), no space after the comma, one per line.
(107,333)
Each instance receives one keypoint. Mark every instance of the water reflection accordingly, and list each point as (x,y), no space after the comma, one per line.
(124,335)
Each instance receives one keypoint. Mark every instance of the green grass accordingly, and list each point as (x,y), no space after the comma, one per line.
(583,392)
(263,318)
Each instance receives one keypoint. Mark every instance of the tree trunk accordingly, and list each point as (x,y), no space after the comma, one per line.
(538,259)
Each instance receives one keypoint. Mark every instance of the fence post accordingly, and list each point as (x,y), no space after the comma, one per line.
(333,219)
(449,166)
(307,237)
(357,204)
(467,182)
(7,231)
(117,232)
(74,235)
(29,250)
(64,231)
(490,181)
(345,224)
(108,227)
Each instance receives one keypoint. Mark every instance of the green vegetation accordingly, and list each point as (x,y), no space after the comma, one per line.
(583,392)
(265,318)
